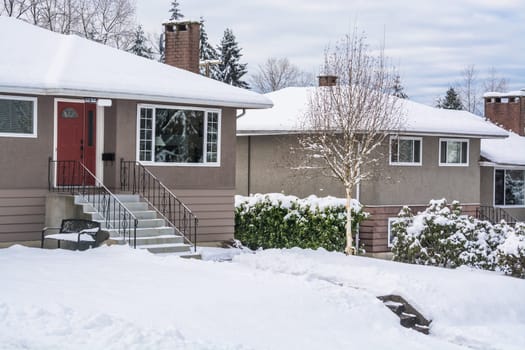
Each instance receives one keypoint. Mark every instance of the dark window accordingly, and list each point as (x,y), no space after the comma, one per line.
(16,116)
(90,128)
(509,187)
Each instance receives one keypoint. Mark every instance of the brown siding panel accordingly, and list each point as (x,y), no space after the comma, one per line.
(21,214)
(215,211)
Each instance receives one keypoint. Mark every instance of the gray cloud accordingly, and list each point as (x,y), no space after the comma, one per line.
(430,41)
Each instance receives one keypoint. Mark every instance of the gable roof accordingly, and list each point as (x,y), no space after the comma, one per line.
(38,61)
(290,103)
(509,151)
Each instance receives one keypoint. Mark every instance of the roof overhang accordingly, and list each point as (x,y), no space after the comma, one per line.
(130,96)
(400,132)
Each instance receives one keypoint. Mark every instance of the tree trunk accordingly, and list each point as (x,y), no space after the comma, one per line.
(349,250)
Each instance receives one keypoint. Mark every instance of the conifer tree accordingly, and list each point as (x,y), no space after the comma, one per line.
(450,101)
(139,47)
(175,11)
(207,52)
(398,89)
(230,70)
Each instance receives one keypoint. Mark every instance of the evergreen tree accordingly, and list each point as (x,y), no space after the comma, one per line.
(230,70)
(207,52)
(139,47)
(450,101)
(398,89)
(175,11)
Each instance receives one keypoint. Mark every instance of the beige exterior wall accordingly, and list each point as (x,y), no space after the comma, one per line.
(270,164)
(269,169)
(487,193)
(209,191)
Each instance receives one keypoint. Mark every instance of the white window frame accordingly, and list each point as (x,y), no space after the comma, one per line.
(34,133)
(447,140)
(205,136)
(390,223)
(494,188)
(412,138)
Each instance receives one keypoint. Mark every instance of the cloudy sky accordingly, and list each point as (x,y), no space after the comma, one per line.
(429,41)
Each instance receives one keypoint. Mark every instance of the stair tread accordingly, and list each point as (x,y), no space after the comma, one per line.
(148,238)
(164,245)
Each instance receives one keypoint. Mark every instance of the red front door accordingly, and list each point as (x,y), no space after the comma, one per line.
(76,141)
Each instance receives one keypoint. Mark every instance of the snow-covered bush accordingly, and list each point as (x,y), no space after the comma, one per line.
(442,236)
(511,254)
(431,237)
(278,221)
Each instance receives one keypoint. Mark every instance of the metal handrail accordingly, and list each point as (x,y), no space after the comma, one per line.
(136,178)
(494,214)
(71,176)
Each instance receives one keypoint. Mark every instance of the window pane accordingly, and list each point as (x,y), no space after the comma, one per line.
(443,152)
(499,187)
(417,151)
(393,151)
(453,152)
(146,141)
(179,135)
(514,187)
(406,151)
(212,137)
(464,154)
(16,116)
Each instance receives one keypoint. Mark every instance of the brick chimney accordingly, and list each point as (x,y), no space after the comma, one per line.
(507,110)
(182,41)
(327,80)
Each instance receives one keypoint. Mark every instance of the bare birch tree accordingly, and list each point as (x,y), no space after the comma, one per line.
(278,73)
(494,82)
(110,22)
(345,124)
(469,90)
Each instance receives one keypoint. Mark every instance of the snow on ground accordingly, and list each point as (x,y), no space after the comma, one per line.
(119,298)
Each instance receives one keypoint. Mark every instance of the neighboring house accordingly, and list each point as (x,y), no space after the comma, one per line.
(503,161)
(65,98)
(436,155)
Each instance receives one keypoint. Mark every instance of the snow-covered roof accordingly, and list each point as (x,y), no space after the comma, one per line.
(290,103)
(505,94)
(38,61)
(509,151)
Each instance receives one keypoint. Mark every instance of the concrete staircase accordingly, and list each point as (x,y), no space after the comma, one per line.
(409,317)
(153,234)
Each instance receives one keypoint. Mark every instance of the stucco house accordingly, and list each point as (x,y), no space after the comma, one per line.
(435,155)
(76,115)
(503,160)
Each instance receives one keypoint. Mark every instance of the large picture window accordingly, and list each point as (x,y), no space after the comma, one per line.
(172,135)
(405,150)
(509,188)
(453,152)
(18,116)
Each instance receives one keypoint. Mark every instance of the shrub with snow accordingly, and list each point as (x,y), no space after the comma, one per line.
(278,221)
(442,236)
(511,254)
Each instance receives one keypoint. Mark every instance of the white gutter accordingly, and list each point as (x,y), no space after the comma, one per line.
(134,96)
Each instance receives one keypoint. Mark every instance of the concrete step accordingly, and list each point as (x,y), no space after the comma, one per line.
(154,240)
(147,231)
(142,223)
(167,248)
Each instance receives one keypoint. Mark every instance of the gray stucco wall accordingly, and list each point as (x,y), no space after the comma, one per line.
(487,193)
(270,160)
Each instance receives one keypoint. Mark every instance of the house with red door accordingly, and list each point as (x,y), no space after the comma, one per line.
(87,130)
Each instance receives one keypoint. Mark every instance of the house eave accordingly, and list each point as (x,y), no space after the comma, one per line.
(132,96)
(400,132)
(501,165)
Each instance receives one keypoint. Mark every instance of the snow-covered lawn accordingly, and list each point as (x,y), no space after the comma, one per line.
(119,298)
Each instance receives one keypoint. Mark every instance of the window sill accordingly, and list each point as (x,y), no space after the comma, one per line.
(406,164)
(183,165)
(462,165)
(21,136)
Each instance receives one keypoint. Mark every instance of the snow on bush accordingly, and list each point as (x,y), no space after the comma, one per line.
(442,236)
(278,221)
